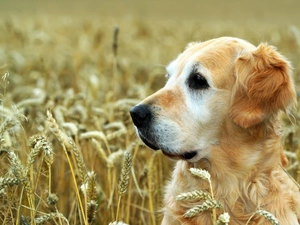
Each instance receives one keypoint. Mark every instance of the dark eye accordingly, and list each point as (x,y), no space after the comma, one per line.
(197,81)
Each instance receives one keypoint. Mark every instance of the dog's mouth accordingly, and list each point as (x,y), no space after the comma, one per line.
(150,144)
(185,156)
(153,145)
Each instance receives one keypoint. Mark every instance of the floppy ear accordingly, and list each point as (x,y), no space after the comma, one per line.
(263,86)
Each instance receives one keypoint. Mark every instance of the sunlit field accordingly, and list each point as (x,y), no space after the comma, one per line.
(67,85)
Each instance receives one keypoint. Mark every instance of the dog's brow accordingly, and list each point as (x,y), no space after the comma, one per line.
(195,68)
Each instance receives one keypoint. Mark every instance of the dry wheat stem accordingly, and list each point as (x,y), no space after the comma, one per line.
(150,187)
(76,188)
(136,148)
(66,143)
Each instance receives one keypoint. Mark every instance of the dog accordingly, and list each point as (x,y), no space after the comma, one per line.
(219,111)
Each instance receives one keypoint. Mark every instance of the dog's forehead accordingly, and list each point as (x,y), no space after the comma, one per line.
(217,56)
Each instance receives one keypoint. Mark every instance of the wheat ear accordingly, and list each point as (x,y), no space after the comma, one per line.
(223,219)
(21,174)
(90,193)
(193,195)
(118,223)
(8,181)
(124,179)
(203,174)
(269,216)
(208,204)
(50,216)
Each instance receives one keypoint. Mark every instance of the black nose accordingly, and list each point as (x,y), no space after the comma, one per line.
(141,115)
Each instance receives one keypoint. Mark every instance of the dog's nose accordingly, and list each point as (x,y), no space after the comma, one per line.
(141,115)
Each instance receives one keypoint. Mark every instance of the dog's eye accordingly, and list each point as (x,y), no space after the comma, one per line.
(197,81)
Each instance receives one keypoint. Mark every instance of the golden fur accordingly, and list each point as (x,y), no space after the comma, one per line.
(238,133)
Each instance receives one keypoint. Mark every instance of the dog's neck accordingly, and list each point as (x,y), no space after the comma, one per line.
(240,163)
(242,167)
(245,151)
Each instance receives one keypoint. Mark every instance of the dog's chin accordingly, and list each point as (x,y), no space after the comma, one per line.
(150,144)
(189,155)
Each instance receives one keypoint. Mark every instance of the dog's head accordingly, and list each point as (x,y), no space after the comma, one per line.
(209,84)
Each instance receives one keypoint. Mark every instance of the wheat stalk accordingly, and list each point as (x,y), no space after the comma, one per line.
(150,186)
(66,142)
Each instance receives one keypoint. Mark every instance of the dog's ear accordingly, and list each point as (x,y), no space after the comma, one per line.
(263,86)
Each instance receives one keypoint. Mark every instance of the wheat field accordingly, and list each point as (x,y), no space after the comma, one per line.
(69,153)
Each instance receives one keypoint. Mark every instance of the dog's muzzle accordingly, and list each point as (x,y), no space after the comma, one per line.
(142,116)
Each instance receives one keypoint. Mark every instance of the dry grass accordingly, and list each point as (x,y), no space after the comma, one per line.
(65,126)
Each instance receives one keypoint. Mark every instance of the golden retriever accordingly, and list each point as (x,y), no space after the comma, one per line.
(219,111)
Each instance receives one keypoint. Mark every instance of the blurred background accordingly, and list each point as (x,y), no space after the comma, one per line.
(262,12)
(59,56)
